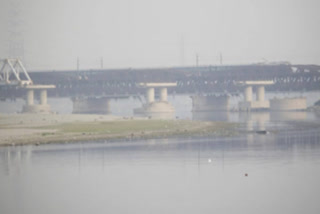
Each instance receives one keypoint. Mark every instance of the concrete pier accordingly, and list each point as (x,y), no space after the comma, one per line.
(248,94)
(150,95)
(156,106)
(260,103)
(43,97)
(288,104)
(288,115)
(30,97)
(163,94)
(30,106)
(260,93)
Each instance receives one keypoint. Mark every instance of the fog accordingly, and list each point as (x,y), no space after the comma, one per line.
(150,33)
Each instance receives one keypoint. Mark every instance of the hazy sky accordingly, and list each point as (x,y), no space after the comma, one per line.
(156,33)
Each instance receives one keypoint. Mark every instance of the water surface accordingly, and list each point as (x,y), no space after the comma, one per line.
(191,175)
(203,175)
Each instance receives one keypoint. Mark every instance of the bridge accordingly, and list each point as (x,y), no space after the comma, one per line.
(190,80)
(15,78)
(200,80)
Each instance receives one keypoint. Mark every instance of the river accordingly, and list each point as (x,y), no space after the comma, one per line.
(277,172)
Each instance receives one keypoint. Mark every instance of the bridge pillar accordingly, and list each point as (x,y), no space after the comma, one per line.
(260,103)
(289,104)
(42,107)
(248,93)
(150,95)
(43,97)
(163,94)
(156,106)
(91,105)
(260,93)
(30,97)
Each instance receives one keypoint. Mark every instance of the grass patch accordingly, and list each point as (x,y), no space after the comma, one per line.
(148,127)
(118,127)
(47,134)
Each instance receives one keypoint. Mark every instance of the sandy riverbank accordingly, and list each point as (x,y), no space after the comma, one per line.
(18,129)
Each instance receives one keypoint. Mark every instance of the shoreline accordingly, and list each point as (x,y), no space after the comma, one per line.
(37,129)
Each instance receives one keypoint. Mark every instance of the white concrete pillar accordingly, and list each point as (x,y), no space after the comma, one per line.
(43,97)
(163,94)
(150,95)
(260,93)
(30,97)
(248,94)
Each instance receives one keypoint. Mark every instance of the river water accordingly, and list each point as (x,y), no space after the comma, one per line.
(278,172)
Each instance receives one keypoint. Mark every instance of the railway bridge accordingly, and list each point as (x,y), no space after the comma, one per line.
(200,80)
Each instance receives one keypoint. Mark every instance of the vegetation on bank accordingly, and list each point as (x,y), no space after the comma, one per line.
(133,129)
(123,129)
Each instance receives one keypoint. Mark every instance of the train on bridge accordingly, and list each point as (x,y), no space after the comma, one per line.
(190,80)
(209,87)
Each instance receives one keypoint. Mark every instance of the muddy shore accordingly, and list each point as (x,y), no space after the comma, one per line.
(20,129)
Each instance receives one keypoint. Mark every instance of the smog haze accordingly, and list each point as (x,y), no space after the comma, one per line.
(149,33)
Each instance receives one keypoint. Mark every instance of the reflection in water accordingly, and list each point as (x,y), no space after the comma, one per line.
(289,115)
(14,157)
(171,176)
(165,176)
(256,120)
(214,116)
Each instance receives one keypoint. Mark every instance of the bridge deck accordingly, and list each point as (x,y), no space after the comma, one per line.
(205,79)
